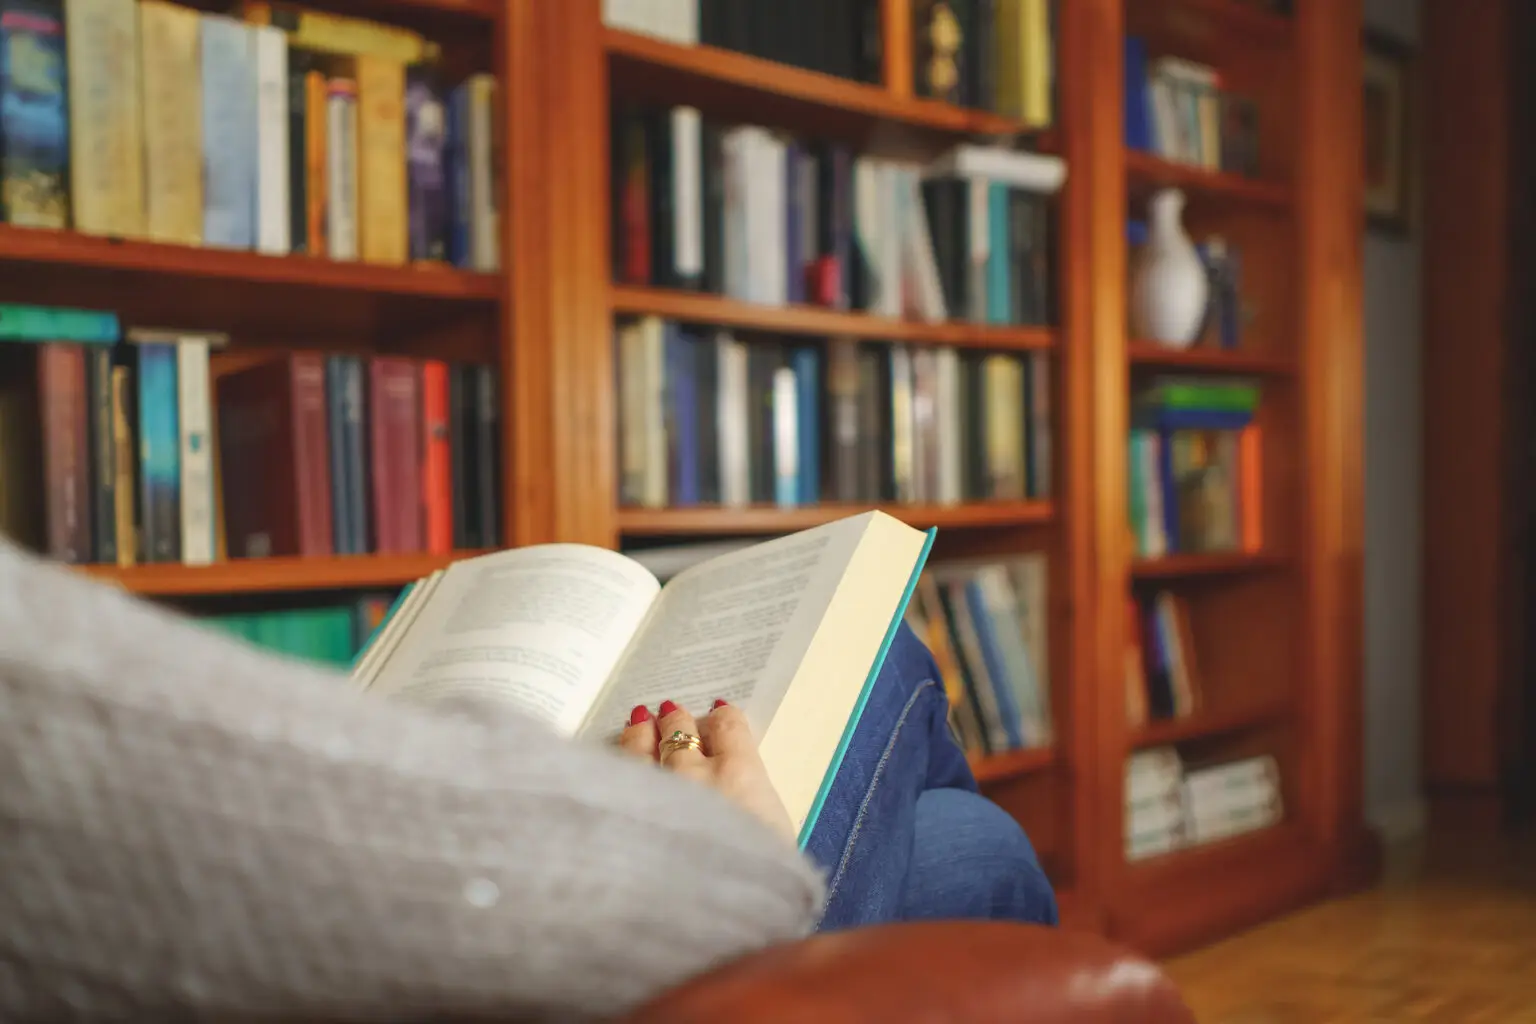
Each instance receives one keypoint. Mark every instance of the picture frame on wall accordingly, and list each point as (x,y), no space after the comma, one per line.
(1387,136)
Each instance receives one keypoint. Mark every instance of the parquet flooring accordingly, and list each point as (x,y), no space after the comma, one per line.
(1449,937)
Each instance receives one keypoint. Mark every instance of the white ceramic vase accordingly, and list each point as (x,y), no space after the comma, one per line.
(1168,285)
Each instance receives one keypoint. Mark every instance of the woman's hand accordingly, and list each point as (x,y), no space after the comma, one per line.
(729,761)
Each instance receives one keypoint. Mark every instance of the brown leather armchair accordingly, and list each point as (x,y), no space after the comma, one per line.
(960,972)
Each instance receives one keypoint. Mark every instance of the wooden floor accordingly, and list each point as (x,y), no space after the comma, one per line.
(1449,937)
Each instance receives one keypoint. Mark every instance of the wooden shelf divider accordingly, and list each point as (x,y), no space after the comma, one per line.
(697,307)
(1001,767)
(1144,170)
(70,248)
(1211,722)
(273,575)
(717,520)
(1215,564)
(1152,355)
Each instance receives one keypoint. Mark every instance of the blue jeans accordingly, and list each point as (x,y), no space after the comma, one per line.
(904,835)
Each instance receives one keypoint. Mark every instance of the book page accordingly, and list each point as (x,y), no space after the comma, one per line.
(538,630)
(733,628)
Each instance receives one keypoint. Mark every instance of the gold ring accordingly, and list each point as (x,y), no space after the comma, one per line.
(679,740)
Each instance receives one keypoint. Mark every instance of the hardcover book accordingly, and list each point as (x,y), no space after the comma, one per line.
(792,631)
(34,121)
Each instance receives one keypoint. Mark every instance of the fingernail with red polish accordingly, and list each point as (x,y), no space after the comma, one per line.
(718,704)
(640,715)
(667,707)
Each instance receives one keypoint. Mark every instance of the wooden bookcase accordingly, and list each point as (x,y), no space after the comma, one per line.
(1278,631)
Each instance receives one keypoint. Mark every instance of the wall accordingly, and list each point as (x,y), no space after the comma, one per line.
(1393,517)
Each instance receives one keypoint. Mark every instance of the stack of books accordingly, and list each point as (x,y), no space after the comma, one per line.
(706,418)
(278,129)
(1196,467)
(330,635)
(996,55)
(1162,672)
(1177,109)
(1170,805)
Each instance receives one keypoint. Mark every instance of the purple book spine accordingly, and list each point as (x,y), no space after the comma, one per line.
(426,140)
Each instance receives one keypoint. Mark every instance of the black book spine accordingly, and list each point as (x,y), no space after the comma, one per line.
(982,56)
(946,211)
(617,166)
(706,375)
(1021,290)
(973,425)
(488,455)
(103,452)
(874,441)
(336,446)
(712,21)
(762,360)
(712,187)
(462,437)
(663,215)
(964,91)
(1043,259)
(298,163)
(871,42)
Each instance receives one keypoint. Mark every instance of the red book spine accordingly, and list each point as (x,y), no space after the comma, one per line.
(311,455)
(66,452)
(395,404)
(636,203)
(436,458)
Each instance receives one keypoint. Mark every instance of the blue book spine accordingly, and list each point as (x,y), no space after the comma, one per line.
(34,118)
(1138,109)
(807,369)
(997,667)
(460,217)
(341,514)
(1192,419)
(683,399)
(354,453)
(999,256)
(229,134)
(426,142)
(159,454)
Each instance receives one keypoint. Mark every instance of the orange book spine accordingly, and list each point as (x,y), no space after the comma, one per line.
(436,458)
(1250,462)
(315,117)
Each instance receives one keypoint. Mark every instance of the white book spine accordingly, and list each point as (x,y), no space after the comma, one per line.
(195,425)
(272,215)
(485,223)
(733,228)
(341,176)
(732,413)
(786,437)
(687,194)
(951,446)
(891,285)
(776,223)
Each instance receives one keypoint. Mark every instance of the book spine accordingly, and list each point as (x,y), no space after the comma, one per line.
(485,214)
(159,453)
(123,521)
(298,152)
(354,439)
(103,475)
(660,197)
(61,385)
(381,204)
(687,198)
(426,155)
(786,441)
(270,59)
(229,127)
(341,170)
(807,376)
(733,416)
(310,462)
(34,117)
(105,133)
(466,523)
(457,155)
(336,433)
(843,420)
(706,370)
(381,463)
(195,426)
(173,144)
(713,199)
(488,455)
(316,163)
(405,448)
(436,458)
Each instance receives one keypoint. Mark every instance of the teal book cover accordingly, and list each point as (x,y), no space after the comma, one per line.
(159,454)
(869,685)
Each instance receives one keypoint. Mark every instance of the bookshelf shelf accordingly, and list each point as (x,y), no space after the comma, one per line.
(743,85)
(1000,767)
(1151,355)
(811,320)
(662,522)
(1144,170)
(1249,849)
(272,575)
(1214,722)
(1229,16)
(1176,566)
(68,248)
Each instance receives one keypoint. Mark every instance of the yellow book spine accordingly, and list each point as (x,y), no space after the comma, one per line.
(315,115)
(340,35)
(1009,97)
(1035,44)
(125,458)
(105,138)
(173,135)
(381,160)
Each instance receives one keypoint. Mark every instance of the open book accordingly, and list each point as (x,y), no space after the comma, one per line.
(793,631)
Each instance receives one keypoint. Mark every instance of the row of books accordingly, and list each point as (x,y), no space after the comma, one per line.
(281,130)
(762,217)
(987,626)
(996,55)
(1170,805)
(1162,673)
(330,635)
(1195,457)
(1227,312)
(1177,109)
(835,37)
(706,418)
(135,453)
